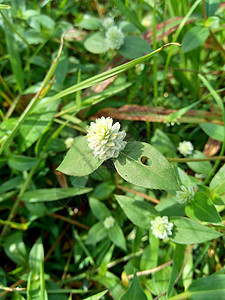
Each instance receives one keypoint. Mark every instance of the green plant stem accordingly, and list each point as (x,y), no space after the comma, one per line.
(155,57)
(179,29)
(184,160)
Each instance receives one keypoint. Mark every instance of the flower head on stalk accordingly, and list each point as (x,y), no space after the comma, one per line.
(105,139)
(161,227)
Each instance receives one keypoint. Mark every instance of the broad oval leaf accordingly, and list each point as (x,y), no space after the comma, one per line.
(15,248)
(96,233)
(187,231)
(134,47)
(79,160)
(202,209)
(202,167)
(139,212)
(159,175)
(194,38)
(99,210)
(115,234)
(215,131)
(96,43)
(55,194)
(21,163)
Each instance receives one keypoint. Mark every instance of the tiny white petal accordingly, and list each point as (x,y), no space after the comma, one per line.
(105,139)
(114,37)
(109,222)
(69,142)
(186,195)
(161,227)
(186,148)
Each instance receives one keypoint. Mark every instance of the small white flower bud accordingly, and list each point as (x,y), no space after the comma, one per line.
(186,195)
(161,227)
(107,22)
(105,139)
(69,142)
(185,148)
(109,222)
(114,37)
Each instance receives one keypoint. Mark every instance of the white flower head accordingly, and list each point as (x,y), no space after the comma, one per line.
(109,222)
(186,148)
(105,139)
(186,195)
(108,22)
(69,142)
(161,227)
(115,37)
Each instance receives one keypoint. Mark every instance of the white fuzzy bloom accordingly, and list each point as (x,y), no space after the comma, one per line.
(115,37)
(109,222)
(69,142)
(186,195)
(107,22)
(185,148)
(105,139)
(161,227)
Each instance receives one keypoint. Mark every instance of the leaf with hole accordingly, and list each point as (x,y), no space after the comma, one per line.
(158,175)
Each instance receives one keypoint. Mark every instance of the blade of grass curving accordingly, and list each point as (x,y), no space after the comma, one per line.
(128,13)
(107,74)
(219,102)
(179,29)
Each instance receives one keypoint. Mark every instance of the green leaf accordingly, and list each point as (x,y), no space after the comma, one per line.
(36,256)
(134,47)
(79,160)
(11,184)
(206,288)
(135,291)
(15,248)
(54,194)
(96,233)
(187,231)
(90,23)
(217,185)
(159,175)
(21,163)
(194,38)
(162,142)
(36,282)
(115,234)
(203,167)
(202,209)
(104,190)
(178,258)
(139,212)
(211,7)
(215,131)
(97,296)
(35,124)
(99,210)
(96,43)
